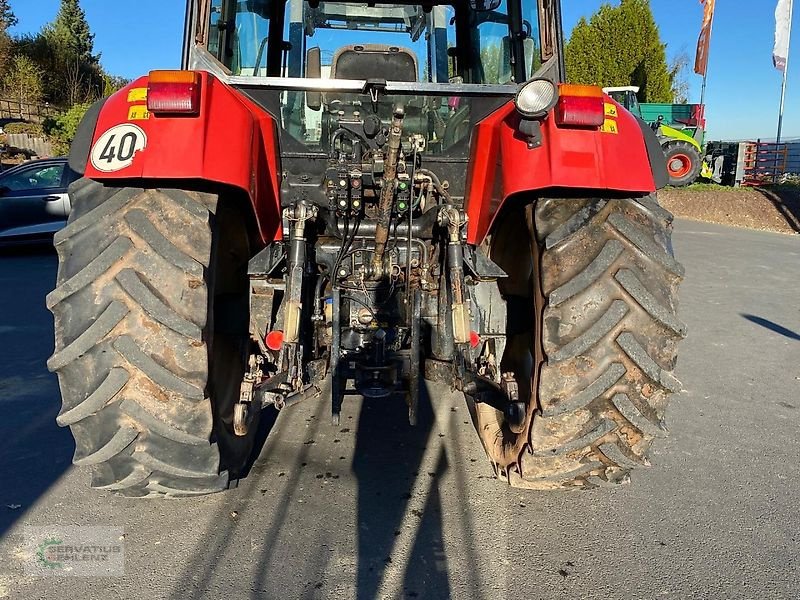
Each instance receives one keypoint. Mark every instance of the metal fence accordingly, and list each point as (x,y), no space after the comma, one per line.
(761,163)
(755,163)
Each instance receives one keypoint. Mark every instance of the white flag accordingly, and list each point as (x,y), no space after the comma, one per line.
(783,24)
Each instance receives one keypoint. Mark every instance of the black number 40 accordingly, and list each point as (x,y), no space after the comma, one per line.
(123,152)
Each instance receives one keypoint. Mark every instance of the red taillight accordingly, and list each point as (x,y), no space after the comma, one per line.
(474,339)
(174,92)
(274,340)
(580,106)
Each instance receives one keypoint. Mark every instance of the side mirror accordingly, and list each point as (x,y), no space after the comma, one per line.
(4,190)
(484,5)
(314,71)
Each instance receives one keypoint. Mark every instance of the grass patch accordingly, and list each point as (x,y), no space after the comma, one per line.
(714,187)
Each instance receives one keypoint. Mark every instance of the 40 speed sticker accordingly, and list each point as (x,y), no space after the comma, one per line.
(116,147)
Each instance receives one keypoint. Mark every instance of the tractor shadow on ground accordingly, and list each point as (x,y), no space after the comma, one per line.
(779,329)
(786,199)
(399,542)
(35,451)
(399,509)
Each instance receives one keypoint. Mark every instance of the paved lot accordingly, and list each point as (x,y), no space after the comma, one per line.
(373,509)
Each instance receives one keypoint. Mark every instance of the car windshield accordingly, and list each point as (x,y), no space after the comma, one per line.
(396,42)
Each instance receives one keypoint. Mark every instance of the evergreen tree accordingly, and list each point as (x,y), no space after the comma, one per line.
(71,31)
(64,51)
(621,46)
(67,78)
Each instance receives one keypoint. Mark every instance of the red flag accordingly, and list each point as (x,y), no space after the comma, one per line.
(703,42)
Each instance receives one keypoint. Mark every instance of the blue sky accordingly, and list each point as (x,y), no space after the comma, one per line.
(743,87)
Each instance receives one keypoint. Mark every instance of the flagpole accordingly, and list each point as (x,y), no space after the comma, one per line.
(785,75)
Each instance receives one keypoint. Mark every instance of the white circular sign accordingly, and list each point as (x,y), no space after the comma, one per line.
(115,149)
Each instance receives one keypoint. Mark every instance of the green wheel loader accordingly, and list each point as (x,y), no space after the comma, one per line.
(682,147)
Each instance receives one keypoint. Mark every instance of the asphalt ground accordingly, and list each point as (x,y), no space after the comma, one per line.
(375,509)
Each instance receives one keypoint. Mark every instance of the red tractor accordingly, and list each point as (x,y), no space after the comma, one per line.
(340,198)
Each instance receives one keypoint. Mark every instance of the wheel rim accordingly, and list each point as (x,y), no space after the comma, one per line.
(680,165)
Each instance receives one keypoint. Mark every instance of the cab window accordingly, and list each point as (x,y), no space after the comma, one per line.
(491,61)
(238,34)
(458,42)
(530,29)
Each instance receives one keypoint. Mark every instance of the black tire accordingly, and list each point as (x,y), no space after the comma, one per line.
(147,379)
(684,163)
(607,319)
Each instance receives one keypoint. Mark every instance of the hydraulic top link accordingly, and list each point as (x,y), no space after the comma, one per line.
(387,191)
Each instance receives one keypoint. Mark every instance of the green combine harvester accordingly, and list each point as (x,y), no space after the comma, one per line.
(680,129)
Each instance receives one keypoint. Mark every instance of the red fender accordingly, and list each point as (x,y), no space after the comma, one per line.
(232,141)
(612,158)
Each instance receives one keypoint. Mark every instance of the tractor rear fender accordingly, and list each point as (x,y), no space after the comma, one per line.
(621,157)
(232,142)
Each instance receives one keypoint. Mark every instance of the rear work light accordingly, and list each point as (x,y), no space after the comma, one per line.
(580,106)
(174,92)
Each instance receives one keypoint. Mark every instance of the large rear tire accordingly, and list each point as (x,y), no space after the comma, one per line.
(601,346)
(150,342)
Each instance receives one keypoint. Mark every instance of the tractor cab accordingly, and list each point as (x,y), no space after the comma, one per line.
(315,65)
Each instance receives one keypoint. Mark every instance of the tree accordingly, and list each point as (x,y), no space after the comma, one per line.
(67,78)
(69,72)
(71,32)
(620,46)
(23,80)
(7,17)
(677,74)
(113,83)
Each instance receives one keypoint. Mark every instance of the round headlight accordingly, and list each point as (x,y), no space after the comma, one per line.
(536,97)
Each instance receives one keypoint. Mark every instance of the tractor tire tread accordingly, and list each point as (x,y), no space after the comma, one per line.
(610,332)
(131,352)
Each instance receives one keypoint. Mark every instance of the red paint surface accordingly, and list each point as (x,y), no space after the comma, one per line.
(232,141)
(502,165)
